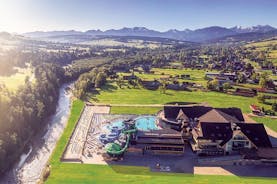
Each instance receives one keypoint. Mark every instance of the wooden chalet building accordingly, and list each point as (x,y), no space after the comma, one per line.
(129,77)
(245,92)
(151,85)
(215,131)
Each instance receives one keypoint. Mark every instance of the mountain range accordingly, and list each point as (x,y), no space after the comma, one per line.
(198,35)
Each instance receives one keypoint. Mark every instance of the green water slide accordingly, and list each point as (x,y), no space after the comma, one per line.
(115,149)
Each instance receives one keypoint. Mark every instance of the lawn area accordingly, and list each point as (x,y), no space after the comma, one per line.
(196,76)
(265,43)
(134,110)
(87,173)
(271,123)
(14,81)
(114,95)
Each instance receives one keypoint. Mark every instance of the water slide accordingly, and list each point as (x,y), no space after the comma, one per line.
(115,149)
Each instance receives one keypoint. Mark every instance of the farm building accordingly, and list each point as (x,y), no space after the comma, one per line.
(129,77)
(245,92)
(151,85)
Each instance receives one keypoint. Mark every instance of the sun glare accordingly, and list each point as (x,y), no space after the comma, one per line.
(12,16)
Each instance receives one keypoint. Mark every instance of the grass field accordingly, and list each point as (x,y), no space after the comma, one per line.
(196,76)
(14,81)
(134,110)
(114,95)
(264,45)
(271,123)
(87,173)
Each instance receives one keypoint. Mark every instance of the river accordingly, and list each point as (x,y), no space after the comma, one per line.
(31,164)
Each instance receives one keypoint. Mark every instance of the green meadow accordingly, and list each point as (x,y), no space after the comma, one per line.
(14,81)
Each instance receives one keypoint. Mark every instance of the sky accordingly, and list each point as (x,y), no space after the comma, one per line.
(19,16)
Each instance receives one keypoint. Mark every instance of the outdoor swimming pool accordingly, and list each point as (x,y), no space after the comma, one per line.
(146,123)
(117,123)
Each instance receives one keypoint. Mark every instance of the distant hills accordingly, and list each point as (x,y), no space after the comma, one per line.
(199,35)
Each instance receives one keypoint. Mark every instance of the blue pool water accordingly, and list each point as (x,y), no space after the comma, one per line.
(118,123)
(146,123)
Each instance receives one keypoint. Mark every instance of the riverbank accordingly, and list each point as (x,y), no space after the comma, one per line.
(43,143)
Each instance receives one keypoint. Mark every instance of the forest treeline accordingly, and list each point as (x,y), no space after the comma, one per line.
(18,58)
(23,113)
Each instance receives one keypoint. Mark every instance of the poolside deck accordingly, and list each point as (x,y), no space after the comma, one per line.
(74,150)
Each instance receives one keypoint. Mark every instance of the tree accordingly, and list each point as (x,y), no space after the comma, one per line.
(100,79)
(264,79)
(241,78)
(119,82)
(274,106)
(262,82)
(213,84)
(226,86)
(261,98)
(163,87)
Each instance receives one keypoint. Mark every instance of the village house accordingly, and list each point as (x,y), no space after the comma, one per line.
(176,86)
(151,85)
(213,75)
(129,77)
(185,76)
(245,92)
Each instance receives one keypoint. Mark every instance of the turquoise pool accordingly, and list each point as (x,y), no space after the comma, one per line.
(118,123)
(146,123)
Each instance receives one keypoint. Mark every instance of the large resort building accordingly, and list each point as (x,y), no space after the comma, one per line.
(159,141)
(208,130)
(176,129)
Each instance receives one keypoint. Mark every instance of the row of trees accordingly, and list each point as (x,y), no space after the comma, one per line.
(96,78)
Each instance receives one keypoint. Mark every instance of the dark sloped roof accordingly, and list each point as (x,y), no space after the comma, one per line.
(216,115)
(256,133)
(171,112)
(233,111)
(182,116)
(190,111)
(217,131)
